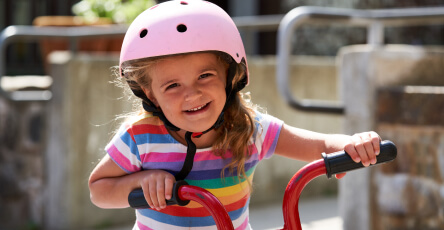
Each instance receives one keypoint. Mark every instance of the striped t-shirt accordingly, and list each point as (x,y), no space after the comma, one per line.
(146,144)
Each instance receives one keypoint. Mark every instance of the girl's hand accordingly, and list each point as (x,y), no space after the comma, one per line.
(363,147)
(157,186)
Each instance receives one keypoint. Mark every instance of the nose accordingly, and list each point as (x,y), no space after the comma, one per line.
(192,93)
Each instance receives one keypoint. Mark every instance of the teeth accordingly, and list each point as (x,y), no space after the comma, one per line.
(195,109)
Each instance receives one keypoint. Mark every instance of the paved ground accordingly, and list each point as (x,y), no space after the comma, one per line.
(315,215)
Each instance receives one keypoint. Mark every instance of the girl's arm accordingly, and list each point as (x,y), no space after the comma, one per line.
(110,186)
(308,146)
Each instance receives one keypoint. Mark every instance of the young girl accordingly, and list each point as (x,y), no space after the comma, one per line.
(186,61)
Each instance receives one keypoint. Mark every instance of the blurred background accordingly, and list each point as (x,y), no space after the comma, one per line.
(58,108)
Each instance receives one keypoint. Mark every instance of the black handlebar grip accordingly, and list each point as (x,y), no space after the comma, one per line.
(136,199)
(340,162)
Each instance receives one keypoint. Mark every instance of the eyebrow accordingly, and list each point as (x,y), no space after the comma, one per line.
(204,69)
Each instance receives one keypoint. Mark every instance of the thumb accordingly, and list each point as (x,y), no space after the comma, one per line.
(339,175)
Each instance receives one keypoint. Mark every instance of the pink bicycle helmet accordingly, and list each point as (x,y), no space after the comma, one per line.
(187,26)
(177,27)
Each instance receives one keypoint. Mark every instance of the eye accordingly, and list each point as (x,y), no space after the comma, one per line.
(205,75)
(171,86)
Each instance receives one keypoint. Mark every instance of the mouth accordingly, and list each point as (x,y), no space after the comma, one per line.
(198,108)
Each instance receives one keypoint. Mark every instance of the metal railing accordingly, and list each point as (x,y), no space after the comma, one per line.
(73,34)
(374,20)
(32,34)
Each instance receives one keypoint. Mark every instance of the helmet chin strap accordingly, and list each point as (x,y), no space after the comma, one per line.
(191,147)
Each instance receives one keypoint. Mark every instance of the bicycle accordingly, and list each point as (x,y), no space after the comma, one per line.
(330,165)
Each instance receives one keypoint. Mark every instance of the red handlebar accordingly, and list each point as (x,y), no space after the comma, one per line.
(182,195)
(294,189)
(331,164)
(210,202)
(334,163)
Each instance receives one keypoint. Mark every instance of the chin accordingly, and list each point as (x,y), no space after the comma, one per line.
(196,126)
(197,129)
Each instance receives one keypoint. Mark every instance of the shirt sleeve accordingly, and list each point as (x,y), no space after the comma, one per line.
(267,134)
(123,150)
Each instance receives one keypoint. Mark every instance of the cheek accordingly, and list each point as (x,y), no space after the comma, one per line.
(169,106)
(221,90)
(217,86)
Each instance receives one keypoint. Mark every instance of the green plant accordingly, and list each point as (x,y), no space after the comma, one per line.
(119,11)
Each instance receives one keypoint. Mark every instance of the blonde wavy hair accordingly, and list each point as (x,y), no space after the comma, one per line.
(238,127)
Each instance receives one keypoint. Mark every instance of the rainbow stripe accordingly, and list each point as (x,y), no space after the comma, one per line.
(145,144)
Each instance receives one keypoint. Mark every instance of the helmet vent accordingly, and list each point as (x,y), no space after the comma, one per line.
(181,28)
(237,54)
(183,3)
(143,33)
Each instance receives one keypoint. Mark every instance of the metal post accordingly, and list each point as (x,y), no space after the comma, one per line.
(375,34)
(374,20)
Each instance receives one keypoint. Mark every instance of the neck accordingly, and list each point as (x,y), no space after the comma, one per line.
(204,141)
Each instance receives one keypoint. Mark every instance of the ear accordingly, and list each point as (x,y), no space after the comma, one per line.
(150,96)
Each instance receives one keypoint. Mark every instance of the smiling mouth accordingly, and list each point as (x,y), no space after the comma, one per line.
(197,108)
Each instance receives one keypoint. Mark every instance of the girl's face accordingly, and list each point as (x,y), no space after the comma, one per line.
(190,89)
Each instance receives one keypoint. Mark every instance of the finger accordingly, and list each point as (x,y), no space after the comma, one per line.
(339,175)
(169,182)
(368,146)
(153,195)
(146,193)
(376,139)
(351,151)
(161,193)
(359,146)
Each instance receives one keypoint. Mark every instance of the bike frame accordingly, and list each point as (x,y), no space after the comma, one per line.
(210,202)
(289,207)
(332,164)
(294,190)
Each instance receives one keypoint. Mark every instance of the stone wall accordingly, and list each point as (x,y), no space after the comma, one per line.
(397,91)
(410,192)
(22,142)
